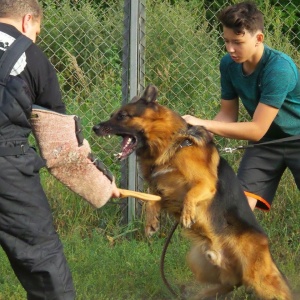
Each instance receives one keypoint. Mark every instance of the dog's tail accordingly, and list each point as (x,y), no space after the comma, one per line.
(264,276)
(273,286)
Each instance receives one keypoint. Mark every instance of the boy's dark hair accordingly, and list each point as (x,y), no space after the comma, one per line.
(242,16)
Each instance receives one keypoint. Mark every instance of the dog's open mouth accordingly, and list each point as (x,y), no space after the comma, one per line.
(129,144)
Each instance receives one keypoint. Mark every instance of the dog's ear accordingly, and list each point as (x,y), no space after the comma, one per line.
(134,99)
(150,93)
(200,133)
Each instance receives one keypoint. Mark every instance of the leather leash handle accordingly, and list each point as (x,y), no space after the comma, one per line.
(142,196)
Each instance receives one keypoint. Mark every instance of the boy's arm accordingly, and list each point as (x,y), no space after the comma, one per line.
(225,124)
(229,111)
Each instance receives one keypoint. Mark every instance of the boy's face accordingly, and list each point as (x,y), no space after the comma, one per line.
(242,47)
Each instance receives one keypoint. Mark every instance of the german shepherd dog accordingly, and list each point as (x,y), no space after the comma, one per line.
(181,163)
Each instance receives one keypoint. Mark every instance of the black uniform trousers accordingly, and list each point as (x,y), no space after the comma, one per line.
(27,234)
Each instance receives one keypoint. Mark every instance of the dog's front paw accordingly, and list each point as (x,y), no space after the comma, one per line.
(151,227)
(188,217)
(152,217)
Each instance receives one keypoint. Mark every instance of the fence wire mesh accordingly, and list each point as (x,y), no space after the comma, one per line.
(88,42)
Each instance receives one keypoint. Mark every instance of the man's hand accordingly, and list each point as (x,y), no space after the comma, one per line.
(115,190)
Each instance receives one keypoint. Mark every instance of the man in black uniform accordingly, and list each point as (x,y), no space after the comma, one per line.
(27,234)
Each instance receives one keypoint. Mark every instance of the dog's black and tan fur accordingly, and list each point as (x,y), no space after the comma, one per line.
(181,164)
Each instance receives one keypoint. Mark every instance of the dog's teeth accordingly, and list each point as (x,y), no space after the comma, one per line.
(128,141)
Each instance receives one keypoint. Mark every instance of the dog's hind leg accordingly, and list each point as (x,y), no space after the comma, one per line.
(205,264)
(201,266)
(216,292)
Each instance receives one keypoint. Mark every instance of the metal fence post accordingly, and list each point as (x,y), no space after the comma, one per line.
(132,83)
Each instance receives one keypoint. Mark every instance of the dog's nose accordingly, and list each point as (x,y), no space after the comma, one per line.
(96,128)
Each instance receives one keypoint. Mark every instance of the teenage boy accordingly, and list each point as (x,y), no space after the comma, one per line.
(268,84)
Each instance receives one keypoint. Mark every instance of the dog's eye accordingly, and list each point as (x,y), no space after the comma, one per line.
(122,115)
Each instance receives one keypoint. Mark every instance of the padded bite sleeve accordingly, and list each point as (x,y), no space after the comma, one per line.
(68,156)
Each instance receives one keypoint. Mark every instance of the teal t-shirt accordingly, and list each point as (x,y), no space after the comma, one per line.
(275,82)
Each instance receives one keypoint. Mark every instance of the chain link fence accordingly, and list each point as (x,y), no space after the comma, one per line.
(106,51)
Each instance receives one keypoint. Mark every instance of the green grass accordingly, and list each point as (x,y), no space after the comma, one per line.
(114,261)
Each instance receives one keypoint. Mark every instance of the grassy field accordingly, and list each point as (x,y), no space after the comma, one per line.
(113,261)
